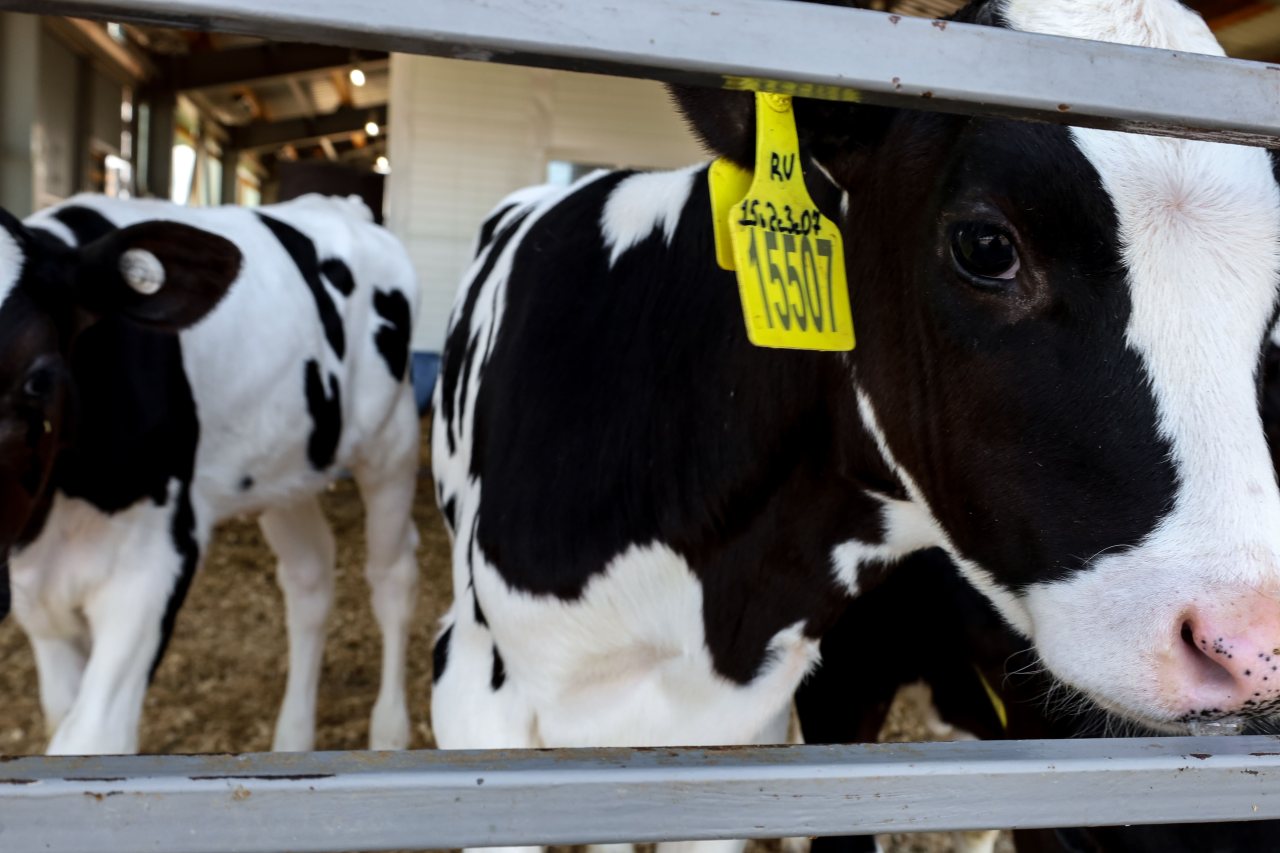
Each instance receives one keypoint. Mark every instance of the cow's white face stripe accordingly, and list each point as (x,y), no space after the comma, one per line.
(1200,232)
(643,203)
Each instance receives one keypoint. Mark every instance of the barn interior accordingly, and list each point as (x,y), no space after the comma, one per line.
(431,144)
(210,118)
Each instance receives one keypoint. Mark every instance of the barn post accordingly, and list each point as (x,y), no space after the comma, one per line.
(19,55)
(156,126)
(230,180)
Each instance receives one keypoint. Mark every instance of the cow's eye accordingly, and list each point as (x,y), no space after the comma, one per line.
(39,383)
(985,253)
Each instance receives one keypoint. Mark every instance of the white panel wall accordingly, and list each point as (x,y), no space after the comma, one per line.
(464,134)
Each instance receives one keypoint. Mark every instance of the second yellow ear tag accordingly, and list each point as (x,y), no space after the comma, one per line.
(788,256)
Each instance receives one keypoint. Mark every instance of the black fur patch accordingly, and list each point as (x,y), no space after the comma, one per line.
(450,510)
(183,531)
(498,676)
(303,251)
(392,337)
(491,224)
(325,408)
(452,360)
(477,612)
(440,655)
(6,592)
(85,223)
(339,275)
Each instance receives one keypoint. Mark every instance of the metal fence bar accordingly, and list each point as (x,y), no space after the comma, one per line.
(826,51)
(361,801)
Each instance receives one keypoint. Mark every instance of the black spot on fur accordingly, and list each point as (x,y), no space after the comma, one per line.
(339,275)
(325,407)
(498,676)
(246,483)
(453,363)
(6,595)
(440,655)
(85,223)
(183,531)
(392,337)
(477,611)
(303,251)
(450,510)
(490,224)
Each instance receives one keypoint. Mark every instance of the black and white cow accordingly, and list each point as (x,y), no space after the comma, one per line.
(122,443)
(1059,338)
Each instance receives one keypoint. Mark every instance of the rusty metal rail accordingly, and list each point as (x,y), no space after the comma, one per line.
(820,51)
(358,801)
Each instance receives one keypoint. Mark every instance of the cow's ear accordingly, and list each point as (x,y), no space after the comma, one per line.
(163,275)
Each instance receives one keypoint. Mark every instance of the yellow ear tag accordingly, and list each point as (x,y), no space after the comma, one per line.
(997,703)
(729,182)
(788,256)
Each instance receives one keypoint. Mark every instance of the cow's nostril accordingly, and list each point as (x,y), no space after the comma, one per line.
(1207,668)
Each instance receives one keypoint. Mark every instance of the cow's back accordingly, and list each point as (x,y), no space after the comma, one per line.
(295,368)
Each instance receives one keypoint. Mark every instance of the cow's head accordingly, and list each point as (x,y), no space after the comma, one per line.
(1060,334)
(160,275)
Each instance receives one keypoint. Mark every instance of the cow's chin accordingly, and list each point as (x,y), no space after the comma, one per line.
(1138,725)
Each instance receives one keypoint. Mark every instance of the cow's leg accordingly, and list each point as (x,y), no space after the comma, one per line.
(388,478)
(467,710)
(154,558)
(302,541)
(60,663)
(774,732)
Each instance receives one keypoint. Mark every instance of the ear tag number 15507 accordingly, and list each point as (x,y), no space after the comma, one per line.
(788,256)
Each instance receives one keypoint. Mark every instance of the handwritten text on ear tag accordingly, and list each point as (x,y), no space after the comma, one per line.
(789,258)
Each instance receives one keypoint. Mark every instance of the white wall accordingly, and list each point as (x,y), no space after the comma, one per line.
(464,134)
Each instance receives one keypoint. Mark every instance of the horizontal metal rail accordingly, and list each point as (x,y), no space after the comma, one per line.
(360,801)
(815,50)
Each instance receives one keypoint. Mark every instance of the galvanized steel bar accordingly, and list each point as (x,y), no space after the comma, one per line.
(819,50)
(361,801)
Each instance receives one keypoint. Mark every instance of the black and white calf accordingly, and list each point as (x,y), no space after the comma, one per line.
(1059,338)
(122,443)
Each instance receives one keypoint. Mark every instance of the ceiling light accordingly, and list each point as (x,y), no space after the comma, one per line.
(357,77)
(382,165)
(372,128)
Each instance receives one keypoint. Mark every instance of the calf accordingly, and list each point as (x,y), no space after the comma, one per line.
(123,443)
(1059,332)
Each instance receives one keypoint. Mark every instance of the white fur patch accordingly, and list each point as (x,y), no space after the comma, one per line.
(12,261)
(1200,229)
(643,203)
(627,662)
(142,271)
(907,527)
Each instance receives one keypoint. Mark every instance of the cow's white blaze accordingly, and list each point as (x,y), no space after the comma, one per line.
(1200,231)
(643,203)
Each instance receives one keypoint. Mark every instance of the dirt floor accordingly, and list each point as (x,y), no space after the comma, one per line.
(221,682)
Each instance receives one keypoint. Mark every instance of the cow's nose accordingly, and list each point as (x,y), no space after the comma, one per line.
(1228,658)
